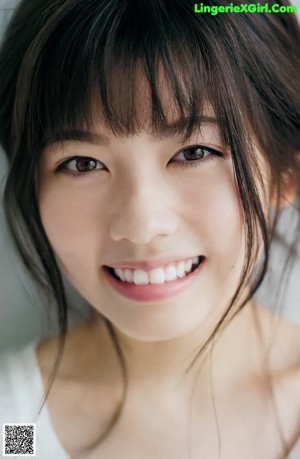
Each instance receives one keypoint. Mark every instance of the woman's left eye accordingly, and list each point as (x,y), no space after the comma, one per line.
(194,155)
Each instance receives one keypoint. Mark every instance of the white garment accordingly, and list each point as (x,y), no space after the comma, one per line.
(295,454)
(21,392)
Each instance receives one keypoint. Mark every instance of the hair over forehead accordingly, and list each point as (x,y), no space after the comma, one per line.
(117,56)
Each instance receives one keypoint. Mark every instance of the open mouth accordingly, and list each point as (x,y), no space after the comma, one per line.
(160,275)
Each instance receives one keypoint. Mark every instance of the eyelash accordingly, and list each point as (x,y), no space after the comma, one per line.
(212,154)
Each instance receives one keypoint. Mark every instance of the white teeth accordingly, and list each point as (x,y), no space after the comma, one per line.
(188,265)
(140,277)
(128,275)
(159,275)
(120,273)
(180,269)
(171,273)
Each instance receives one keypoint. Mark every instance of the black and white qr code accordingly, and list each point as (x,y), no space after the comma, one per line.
(19,440)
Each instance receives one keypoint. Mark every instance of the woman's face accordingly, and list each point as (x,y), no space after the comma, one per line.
(146,206)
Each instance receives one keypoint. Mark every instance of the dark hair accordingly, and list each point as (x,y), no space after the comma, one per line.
(59,57)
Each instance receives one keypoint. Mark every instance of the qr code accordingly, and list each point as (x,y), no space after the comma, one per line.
(19,440)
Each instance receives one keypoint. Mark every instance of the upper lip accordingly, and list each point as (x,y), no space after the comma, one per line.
(149,264)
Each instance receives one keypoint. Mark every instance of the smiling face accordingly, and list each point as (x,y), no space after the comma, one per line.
(144,204)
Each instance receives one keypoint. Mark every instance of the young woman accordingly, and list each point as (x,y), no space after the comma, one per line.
(151,151)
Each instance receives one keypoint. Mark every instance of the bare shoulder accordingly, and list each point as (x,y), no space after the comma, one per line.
(282,344)
(89,374)
(281,338)
(72,352)
(86,354)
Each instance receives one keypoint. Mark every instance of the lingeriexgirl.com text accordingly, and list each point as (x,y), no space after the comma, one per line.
(244,8)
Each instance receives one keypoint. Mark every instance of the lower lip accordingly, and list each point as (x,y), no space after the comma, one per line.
(152,292)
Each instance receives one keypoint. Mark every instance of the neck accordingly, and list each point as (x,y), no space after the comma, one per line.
(162,366)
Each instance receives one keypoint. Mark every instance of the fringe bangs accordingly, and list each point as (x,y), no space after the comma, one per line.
(130,75)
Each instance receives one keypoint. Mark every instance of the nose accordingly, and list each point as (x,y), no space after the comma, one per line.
(142,211)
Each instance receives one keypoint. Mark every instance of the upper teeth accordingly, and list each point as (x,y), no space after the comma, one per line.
(158,275)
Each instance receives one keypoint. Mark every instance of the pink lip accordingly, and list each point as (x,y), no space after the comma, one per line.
(152,292)
(149,264)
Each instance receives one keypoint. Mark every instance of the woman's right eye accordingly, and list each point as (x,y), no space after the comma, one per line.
(80,164)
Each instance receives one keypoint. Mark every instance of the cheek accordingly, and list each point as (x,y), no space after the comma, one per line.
(70,218)
(214,211)
(213,206)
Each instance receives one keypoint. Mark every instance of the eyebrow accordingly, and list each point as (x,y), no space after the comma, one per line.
(94,138)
